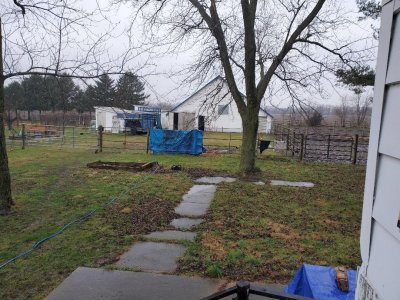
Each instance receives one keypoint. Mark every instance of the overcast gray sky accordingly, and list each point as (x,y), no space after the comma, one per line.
(157,72)
(165,88)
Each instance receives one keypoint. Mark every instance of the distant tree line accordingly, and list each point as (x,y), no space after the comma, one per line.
(48,93)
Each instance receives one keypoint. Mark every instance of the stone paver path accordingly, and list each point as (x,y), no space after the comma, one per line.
(185,223)
(162,256)
(215,180)
(93,284)
(172,235)
(152,257)
(292,183)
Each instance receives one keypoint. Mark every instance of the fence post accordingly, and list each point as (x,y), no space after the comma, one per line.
(125,138)
(287,141)
(100,142)
(23,136)
(355,149)
(293,142)
(243,288)
(148,142)
(329,146)
(73,137)
(301,147)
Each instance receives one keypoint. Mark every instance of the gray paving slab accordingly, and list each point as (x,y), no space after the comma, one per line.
(185,223)
(189,209)
(259,183)
(152,256)
(172,235)
(90,284)
(200,198)
(215,180)
(292,183)
(203,188)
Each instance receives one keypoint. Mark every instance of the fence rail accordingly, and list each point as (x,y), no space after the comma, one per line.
(324,148)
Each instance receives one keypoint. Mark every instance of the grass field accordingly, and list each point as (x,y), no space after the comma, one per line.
(87,138)
(257,232)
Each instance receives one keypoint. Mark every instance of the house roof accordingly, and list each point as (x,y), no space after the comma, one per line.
(198,91)
(206,85)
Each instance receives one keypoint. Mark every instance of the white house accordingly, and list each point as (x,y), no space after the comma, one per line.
(211,108)
(380,228)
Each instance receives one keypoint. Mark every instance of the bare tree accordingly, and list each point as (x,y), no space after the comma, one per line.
(271,46)
(361,105)
(342,111)
(51,38)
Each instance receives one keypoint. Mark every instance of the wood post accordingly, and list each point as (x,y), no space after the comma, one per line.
(329,146)
(148,142)
(355,149)
(73,137)
(301,147)
(100,141)
(23,136)
(293,142)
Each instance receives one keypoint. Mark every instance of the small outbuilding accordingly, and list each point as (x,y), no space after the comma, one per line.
(211,108)
(116,120)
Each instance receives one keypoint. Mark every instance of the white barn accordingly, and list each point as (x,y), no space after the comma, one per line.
(380,228)
(211,108)
(108,118)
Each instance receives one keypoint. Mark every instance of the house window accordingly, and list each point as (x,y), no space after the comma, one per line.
(223,109)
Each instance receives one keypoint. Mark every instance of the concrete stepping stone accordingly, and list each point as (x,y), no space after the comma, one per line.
(215,180)
(203,189)
(189,209)
(172,235)
(90,283)
(153,257)
(292,183)
(198,198)
(259,183)
(185,223)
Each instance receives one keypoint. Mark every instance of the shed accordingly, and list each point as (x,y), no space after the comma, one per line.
(212,108)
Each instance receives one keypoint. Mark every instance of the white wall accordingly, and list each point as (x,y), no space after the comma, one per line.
(104,117)
(380,235)
(206,102)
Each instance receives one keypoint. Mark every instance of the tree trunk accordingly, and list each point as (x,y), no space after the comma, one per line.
(249,141)
(5,179)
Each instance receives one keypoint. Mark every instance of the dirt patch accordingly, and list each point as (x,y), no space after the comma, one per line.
(149,214)
(129,166)
(200,172)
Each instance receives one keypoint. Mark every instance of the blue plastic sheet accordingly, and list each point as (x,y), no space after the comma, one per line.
(176,141)
(319,282)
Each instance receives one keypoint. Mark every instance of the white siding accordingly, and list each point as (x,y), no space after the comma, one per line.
(205,103)
(380,236)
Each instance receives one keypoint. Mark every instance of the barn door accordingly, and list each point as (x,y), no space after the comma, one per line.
(201,123)
(176,121)
(380,234)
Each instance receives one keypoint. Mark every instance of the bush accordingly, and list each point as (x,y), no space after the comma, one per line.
(315,119)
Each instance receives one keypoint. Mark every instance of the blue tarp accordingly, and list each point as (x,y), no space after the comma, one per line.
(319,282)
(176,141)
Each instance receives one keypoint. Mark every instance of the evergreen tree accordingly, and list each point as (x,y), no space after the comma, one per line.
(129,91)
(13,99)
(103,92)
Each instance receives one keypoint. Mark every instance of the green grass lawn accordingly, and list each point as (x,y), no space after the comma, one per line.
(256,232)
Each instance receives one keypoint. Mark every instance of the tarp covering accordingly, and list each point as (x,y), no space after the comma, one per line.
(176,141)
(319,282)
